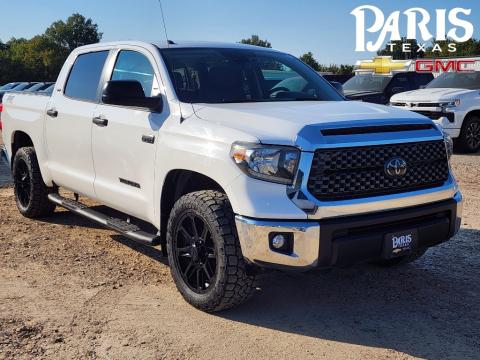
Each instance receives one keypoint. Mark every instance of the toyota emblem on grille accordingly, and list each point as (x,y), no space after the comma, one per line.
(396,167)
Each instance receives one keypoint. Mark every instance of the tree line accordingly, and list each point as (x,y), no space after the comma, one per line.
(41,57)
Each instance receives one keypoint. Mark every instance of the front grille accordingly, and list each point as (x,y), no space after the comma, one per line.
(414,104)
(429,105)
(435,115)
(349,173)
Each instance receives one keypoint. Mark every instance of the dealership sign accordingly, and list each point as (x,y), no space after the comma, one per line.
(437,65)
(382,65)
(450,24)
(385,65)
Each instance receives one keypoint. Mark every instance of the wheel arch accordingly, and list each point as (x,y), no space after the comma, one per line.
(471,113)
(177,183)
(19,139)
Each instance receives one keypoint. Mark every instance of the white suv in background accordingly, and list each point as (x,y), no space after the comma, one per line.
(452,101)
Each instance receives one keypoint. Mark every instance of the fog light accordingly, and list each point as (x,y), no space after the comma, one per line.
(281,242)
(278,241)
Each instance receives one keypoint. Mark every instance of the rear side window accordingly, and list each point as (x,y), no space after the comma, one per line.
(85,76)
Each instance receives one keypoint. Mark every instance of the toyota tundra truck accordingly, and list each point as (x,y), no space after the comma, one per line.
(452,101)
(235,172)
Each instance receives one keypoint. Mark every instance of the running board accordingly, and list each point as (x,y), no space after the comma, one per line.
(131,231)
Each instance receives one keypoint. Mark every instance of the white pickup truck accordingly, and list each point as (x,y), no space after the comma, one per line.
(452,100)
(242,158)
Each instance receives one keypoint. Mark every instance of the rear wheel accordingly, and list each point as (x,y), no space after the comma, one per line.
(469,140)
(31,194)
(204,252)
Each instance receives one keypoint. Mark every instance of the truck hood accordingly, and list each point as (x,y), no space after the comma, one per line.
(431,95)
(280,122)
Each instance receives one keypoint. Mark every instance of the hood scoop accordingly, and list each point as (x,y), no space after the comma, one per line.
(375,129)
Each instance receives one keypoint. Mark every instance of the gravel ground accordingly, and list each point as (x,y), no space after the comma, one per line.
(69,289)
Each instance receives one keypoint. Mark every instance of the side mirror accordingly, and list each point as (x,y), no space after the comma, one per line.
(397,90)
(337,86)
(129,93)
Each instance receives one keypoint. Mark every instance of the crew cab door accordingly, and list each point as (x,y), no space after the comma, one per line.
(68,124)
(125,139)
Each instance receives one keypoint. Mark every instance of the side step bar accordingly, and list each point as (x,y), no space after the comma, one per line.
(131,231)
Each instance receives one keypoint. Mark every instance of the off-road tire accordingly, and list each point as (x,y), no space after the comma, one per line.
(402,260)
(38,204)
(462,143)
(233,283)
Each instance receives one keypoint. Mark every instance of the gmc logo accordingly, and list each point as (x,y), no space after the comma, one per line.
(429,66)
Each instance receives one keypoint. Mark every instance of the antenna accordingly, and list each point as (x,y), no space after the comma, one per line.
(163,20)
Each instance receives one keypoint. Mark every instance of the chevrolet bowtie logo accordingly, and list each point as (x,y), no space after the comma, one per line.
(382,65)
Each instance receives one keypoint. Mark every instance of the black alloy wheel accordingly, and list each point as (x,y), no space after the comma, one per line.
(472,135)
(31,193)
(205,254)
(23,183)
(195,252)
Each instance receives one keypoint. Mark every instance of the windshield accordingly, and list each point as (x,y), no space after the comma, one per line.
(222,75)
(367,82)
(451,80)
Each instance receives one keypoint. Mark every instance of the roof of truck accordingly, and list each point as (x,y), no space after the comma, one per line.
(178,44)
(206,44)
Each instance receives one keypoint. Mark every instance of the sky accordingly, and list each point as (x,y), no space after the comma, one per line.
(323,27)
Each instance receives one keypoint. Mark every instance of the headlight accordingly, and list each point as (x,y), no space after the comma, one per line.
(267,162)
(450,104)
(448,144)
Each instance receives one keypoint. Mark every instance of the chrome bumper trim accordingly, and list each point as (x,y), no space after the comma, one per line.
(253,235)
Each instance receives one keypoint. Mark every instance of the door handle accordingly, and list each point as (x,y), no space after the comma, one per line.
(100,121)
(149,139)
(52,112)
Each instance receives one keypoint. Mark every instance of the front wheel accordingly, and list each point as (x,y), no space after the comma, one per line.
(204,252)
(469,140)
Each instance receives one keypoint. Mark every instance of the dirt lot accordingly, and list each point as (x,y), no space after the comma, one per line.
(71,290)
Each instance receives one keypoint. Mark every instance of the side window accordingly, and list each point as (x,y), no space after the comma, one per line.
(132,65)
(423,79)
(85,76)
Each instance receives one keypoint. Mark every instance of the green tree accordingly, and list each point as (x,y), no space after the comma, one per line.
(77,31)
(41,58)
(255,40)
(308,59)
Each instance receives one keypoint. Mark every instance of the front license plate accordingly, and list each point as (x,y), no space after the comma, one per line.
(399,243)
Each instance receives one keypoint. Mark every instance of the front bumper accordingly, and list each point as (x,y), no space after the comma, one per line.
(346,240)
(4,155)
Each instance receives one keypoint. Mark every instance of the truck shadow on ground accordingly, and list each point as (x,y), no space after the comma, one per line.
(426,309)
